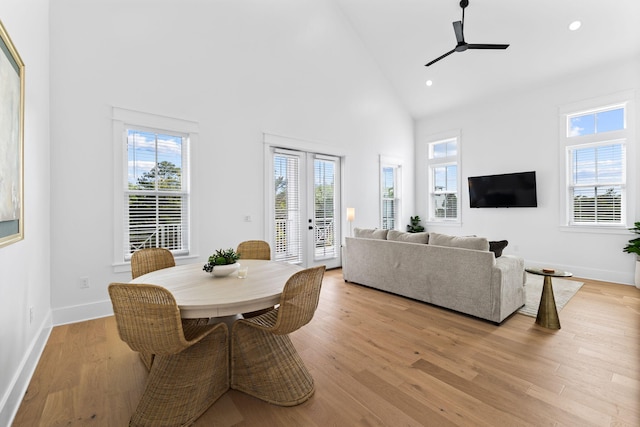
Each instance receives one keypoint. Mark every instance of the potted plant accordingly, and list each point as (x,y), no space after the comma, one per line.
(415,226)
(222,262)
(633,247)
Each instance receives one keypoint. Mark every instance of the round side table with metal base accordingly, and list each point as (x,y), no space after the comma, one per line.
(547,311)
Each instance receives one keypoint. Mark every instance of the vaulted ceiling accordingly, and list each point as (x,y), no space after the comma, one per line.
(403,35)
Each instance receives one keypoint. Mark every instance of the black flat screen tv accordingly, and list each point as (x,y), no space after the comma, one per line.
(510,190)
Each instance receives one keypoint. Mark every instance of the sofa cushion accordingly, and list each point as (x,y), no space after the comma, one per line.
(498,247)
(370,233)
(401,236)
(476,243)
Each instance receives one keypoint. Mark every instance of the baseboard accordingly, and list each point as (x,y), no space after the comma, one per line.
(9,407)
(80,313)
(625,278)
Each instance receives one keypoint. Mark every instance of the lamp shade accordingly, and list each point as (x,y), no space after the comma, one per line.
(351,214)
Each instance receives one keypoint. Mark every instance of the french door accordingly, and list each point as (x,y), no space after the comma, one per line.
(305,204)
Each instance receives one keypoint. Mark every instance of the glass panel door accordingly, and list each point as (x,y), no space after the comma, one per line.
(287,214)
(305,215)
(326,219)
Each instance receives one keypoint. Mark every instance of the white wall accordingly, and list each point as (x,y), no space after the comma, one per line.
(237,67)
(25,265)
(519,132)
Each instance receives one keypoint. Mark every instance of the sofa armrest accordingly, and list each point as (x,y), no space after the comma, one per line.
(509,278)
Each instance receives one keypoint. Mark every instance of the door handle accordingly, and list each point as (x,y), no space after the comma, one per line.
(311,227)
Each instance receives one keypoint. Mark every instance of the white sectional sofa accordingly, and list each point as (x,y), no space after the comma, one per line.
(458,273)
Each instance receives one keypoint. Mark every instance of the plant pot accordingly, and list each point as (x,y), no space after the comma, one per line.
(224,270)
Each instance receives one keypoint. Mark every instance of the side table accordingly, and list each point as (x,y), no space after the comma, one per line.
(547,310)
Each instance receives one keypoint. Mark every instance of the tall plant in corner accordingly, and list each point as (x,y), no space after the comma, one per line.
(633,247)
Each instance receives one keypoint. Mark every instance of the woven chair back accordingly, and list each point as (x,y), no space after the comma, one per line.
(299,300)
(254,249)
(146,260)
(148,318)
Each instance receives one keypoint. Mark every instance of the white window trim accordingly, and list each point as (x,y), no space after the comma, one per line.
(627,99)
(427,176)
(396,164)
(121,119)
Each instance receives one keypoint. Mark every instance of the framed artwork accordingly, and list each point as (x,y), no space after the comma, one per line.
(11,142)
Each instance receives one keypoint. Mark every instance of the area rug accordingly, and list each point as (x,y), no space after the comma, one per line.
(563,291)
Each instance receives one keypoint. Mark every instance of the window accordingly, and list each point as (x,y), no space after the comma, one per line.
(390,175)
(156,197)
(152,197)
(595,143)
(443,177)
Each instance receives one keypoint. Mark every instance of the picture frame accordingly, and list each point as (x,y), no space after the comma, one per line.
(11,142)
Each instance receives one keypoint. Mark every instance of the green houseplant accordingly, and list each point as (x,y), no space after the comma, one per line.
(221,257)
(633,247)
(415,226)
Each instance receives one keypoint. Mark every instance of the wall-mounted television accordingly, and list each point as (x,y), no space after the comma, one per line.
(510,190)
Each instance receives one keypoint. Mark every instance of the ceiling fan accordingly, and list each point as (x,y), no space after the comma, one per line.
(458,28)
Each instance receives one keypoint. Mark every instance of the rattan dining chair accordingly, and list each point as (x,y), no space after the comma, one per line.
(264,362)
(254,249)
(145,261)
(191,367)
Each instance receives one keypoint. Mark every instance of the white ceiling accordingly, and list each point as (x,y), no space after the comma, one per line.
(403,35)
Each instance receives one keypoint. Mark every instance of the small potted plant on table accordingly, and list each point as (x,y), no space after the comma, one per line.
(222,262)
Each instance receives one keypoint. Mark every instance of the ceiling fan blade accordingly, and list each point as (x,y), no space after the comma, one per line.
(457,28)
(440,57)
(487,46)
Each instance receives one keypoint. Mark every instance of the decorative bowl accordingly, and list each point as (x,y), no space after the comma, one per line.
(224,270)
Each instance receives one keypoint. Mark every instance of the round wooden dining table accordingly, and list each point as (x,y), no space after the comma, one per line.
(199,294)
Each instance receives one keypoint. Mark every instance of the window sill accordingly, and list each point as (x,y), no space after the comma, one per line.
(124,267)
(451,223)
(595,229)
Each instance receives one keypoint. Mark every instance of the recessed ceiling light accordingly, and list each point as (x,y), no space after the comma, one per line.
(429,83)
(575,25)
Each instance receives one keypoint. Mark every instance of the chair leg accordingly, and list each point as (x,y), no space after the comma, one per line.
(181,387)
(268,367)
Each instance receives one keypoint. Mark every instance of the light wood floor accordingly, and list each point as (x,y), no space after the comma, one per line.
(383,360)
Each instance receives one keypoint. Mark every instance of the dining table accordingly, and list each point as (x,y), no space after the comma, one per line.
(199,294)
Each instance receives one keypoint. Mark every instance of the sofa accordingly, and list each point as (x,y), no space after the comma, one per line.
(457,273)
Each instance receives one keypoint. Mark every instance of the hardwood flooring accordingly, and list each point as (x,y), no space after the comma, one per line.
(383,360)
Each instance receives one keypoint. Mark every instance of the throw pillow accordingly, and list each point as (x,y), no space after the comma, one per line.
(497,247)
(401,236)
(370,233)
(476,243)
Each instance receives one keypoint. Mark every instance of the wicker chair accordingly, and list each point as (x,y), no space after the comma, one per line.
(264,362)
(191,367)
(145,261)
(254,249)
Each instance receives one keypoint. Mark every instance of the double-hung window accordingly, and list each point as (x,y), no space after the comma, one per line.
(153,197)
(390,192)
(596,143)
(156,197)
(444,183)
